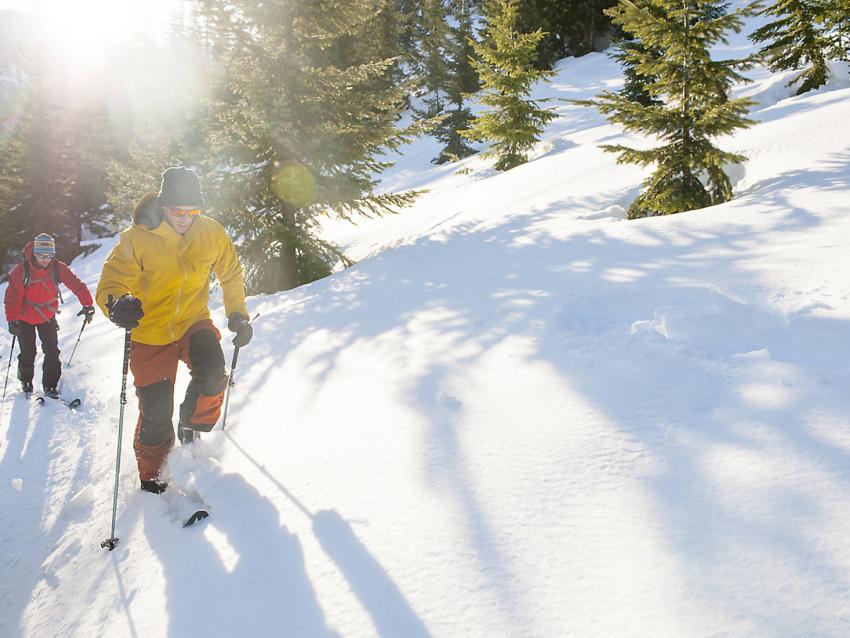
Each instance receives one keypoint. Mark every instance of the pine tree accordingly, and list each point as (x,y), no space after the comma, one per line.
(694,104)
(434,58)
(837,20)
(295,135)
(505,65)
(53,163)
(572,27)
(461,81)
(629,53)
(797,39)
(154,134)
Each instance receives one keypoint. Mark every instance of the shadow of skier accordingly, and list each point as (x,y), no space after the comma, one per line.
(391,614)
(239,554)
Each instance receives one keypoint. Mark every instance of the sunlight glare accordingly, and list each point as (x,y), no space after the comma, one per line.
(80,35)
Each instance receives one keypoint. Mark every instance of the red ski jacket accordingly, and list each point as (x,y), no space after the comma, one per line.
(38,302)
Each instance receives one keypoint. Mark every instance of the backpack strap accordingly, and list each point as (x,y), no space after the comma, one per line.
(56,280)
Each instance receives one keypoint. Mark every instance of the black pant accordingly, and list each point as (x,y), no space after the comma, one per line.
(51,370)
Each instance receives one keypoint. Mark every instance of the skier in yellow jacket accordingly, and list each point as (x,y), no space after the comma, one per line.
(155,283)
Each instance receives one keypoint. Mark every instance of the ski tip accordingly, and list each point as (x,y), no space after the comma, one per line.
(74,404)
(197,516)
(40,400)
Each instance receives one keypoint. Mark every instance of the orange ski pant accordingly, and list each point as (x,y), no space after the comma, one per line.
(154,371)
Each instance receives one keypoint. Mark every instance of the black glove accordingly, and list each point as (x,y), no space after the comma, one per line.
(15,327)
(88,311)
(126,312)
(239,324)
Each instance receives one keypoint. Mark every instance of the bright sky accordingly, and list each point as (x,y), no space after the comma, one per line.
(85,42)
(83,31)
(99,14)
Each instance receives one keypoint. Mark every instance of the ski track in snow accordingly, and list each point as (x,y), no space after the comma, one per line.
(518,415)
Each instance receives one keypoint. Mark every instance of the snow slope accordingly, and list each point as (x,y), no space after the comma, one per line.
(518,415)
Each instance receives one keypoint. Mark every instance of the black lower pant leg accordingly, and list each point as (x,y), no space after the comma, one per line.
(51,370)
(156,403)
(26,357)
(154,432)
(209,378)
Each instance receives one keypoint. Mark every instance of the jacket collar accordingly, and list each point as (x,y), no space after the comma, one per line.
(148,212)
(148,215)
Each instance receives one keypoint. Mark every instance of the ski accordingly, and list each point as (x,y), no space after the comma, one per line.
(197,515)
(71,405)
(185,507)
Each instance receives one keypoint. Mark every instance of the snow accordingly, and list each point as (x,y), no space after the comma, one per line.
(517,415)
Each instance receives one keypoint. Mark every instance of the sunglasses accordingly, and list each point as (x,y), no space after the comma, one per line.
(179,212)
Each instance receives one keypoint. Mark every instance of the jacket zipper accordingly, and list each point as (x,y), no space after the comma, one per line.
(179,294)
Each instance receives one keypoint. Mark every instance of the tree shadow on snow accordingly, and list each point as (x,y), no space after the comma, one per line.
(647,324)
(30,539)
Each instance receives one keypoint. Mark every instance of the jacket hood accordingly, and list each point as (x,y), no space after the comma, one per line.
(28,256)
(148,212)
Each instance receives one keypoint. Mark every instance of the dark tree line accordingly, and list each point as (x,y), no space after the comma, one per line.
(298,116)
(291,109)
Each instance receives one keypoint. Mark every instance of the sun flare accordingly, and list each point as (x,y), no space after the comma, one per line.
(81,35)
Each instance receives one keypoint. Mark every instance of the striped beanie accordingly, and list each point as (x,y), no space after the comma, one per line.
(44,245)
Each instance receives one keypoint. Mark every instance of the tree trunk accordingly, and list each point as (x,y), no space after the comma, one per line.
(289,254)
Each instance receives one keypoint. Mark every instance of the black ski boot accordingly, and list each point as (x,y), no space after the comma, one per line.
(53,393)
(153,486)
(26,387)
(187,435)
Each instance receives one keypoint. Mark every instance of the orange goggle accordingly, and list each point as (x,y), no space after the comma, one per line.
(179,212)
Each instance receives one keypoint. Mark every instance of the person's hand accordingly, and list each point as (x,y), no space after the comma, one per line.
(15,327)
(88,311)
(239,324)
(126,312)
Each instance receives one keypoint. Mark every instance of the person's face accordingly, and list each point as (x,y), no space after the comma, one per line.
(180,218)
(43,260)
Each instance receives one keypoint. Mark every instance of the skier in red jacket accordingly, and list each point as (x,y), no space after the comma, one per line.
(32,301)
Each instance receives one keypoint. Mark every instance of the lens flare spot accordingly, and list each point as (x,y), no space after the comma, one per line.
(295,184)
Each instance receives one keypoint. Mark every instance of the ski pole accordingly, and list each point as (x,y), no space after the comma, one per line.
(80,336)
(11,352)
(111,542)
(231,381)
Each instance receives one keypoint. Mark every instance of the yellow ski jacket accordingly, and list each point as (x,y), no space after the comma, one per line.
(170,273)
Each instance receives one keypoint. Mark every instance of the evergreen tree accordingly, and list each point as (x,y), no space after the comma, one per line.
(797,39)
(629,53)
(408,35)
(694,104)
(53,161)
(151,148)
(837,19)
(294,134)
(154,134)
(461,80)
(434,44)
(572,27)
(505,65)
